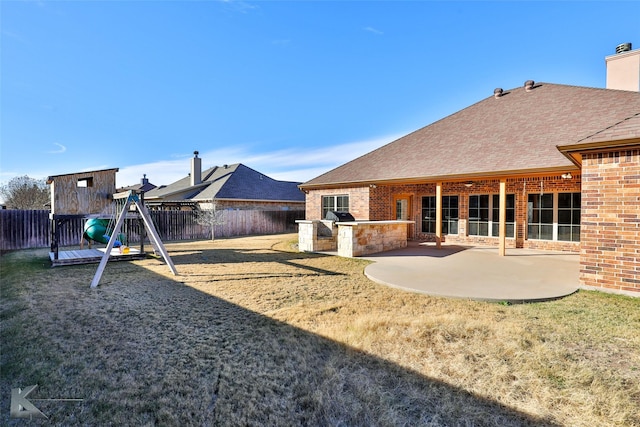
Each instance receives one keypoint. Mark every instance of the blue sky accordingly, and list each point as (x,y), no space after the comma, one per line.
(289,88)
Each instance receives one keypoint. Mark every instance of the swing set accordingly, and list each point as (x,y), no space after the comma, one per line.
(91,197)
(123,208)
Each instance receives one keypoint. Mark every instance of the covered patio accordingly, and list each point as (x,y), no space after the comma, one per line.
(544,166)
(477,272)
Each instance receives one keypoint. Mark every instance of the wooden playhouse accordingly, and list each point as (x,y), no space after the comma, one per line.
(85,195)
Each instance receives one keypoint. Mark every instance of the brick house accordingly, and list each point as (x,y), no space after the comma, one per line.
(543,166)
(229,186)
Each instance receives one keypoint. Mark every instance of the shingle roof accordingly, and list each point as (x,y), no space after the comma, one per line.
(248,184)
(230,182)
(182,189)
(627,129)
(137,187)
(517,132)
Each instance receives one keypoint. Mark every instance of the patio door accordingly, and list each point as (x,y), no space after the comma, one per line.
(403,211)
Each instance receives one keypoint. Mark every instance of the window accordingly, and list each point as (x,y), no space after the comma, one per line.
(511,215)
(449,214)
(554,217)
(85,182)
(402,209)
(540,216)
(569,217)
(479,215)
(484,215)
(334,203)
(429,214)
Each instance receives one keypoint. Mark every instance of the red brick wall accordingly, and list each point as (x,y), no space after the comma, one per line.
(358,201)
(376,203)
(382,207)
(610,229)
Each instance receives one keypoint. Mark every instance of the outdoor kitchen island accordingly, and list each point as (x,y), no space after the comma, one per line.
(352,238)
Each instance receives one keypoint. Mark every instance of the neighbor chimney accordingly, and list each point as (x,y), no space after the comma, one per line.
(196,169)
(623,68)
(144,180)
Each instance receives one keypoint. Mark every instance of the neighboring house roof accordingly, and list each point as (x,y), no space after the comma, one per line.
(232,182)
(515,133)
(137,187)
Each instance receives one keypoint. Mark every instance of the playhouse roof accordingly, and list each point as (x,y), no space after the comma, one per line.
(517,132)
(52,178)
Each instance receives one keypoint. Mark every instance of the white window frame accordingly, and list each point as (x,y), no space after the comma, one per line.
(554,229)
(334,206)
(491,221)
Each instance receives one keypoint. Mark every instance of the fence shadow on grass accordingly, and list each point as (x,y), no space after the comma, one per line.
(145,349)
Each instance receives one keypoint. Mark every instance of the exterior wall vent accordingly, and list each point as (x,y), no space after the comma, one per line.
(528,85)
(624,47)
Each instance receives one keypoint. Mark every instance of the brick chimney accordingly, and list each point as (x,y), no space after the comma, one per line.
(196,169)
(623,69)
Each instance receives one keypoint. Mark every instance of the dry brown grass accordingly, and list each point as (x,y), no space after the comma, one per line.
(254,333)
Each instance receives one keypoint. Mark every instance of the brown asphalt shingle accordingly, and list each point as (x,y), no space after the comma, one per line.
(628,129)
(517,132)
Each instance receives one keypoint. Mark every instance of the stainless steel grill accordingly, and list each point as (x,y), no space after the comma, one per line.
(339,216)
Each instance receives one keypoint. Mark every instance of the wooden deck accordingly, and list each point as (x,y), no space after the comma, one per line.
(91,256)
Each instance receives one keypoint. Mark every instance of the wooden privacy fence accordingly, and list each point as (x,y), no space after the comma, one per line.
(24,229)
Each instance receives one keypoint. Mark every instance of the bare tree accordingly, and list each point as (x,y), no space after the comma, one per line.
(210,217)
(23,192)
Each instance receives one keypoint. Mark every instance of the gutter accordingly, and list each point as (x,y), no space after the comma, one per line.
(574,151)
(434,179)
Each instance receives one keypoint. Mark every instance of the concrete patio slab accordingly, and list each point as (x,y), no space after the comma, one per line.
(477,273)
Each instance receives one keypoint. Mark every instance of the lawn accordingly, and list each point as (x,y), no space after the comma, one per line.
(254,333)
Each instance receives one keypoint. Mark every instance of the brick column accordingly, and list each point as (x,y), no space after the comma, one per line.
(610,222)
